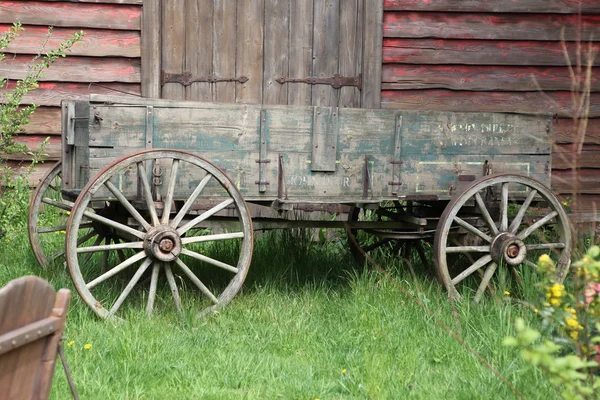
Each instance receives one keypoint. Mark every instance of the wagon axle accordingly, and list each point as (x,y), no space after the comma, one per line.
(163,243)
(506,248)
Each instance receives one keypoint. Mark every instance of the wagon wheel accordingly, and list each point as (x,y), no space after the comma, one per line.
(510,232)
(165,240)
(364,242)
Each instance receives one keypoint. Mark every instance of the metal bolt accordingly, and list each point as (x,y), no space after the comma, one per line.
(166,245)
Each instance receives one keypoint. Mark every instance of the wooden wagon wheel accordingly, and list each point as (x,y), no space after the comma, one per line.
(369,241)
(156,239)
(506,231)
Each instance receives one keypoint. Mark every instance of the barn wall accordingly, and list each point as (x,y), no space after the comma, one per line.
(107,60)
(505,56)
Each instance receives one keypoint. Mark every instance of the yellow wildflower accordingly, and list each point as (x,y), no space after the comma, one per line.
(87,346)
(344,371)
(535,310)
(544,258)
(554,293)
(506,293)
(71,343)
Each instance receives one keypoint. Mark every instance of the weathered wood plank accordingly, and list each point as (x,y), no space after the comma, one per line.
(563,131)
(45,120)
(351,41)
(485,26)
(372,54)
(249,52)
(520,102)
(139,2)
(89,15)
(33,177)
(480,52)
(565,156)
(51,93)
(326,50)
(199,36)
(77,69)
(276,44)
(300,51)
(33,143)
(151,49)
(95,42)
(480,78)
(501,6)
(224,48)
(579,181)
(173,46)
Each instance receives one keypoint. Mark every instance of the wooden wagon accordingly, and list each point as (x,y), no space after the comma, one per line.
(153,186)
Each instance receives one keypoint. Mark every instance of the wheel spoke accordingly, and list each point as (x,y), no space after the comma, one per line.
(487,276)
(486,213)
(525,233)
(120,252)
(148,193)
(196,281)
(472,229)
(97,242)
(116,246)
(115,270)
(209,260)
(67,206)
(188,203)
(170,192)
(540,246)
(504,208)
(114,224)
(204,216)
(136,277)
(514,225)
(468,249)
(128,206)
(211,238)
(152,292)
(173,286)
(478,264)
(530,264)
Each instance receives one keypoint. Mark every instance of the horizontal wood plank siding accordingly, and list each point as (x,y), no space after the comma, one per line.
(505,56)
(106,61)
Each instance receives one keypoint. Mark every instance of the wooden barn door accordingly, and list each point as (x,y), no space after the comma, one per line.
(296,52)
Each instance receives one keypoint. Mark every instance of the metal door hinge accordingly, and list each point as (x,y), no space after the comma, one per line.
(337,80)
(187,78)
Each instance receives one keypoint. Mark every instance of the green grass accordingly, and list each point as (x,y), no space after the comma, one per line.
(308,324)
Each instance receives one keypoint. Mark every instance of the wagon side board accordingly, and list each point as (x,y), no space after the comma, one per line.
(306,154)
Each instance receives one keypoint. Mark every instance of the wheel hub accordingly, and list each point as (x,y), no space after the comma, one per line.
(163,243)
(506,248)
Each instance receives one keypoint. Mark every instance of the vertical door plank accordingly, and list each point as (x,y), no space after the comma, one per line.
(326,50)
(350,49)
(173,45)
(249,52)
(198,47)
(372,54)
(301,51)
(150,70)
(276,50)
(224,45)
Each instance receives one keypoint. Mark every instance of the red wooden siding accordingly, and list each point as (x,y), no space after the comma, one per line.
(500,55)
(107,60)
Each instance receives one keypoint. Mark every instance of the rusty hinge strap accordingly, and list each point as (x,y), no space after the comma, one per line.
(187,78)
(337,80)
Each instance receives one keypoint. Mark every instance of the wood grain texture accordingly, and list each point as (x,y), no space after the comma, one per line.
(480,52)
(579,181)
(351,41)
(139,2)
(151,48)
(95,42)
(89,15)
(33,178)
(501,6)
(198,47)
(566,157)
(300,51)
(45,120)
(521,102)
(487,26)
(51,93)
(480,78)
(33,142)
(224,48)
(249,52)
(276,44)
(326,50)
(563,131)
(173,46)
(77,69)
(372,54)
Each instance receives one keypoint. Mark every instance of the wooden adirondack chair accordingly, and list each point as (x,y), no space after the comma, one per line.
(32,320)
